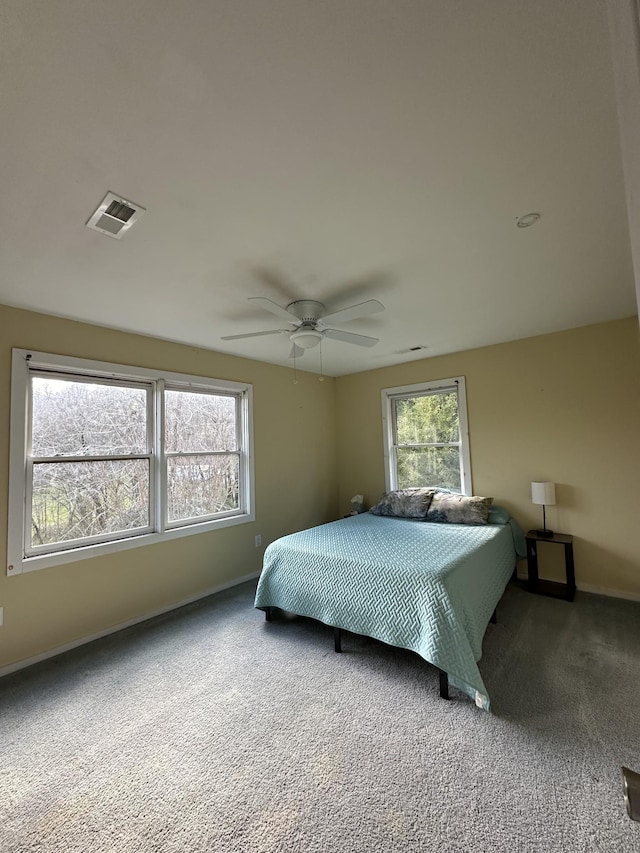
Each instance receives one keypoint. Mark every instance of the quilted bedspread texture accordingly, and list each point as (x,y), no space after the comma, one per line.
(430,588)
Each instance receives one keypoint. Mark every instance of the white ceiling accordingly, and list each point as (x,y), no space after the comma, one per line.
(339,150)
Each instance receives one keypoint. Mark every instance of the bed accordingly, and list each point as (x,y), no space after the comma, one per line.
(428,587)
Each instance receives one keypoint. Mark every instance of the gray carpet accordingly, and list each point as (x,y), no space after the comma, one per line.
(209,729)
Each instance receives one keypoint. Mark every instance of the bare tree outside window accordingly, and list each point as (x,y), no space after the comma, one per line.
(104,457)
(203,459)
(81,489)
(77,491)
(76,500)
(71,417)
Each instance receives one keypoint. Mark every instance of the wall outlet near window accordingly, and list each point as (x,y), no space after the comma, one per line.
(258,540)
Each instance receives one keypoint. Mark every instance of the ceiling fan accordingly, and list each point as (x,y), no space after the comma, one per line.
(309,323)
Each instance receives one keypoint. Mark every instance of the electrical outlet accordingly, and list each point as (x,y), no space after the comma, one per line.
(258,540)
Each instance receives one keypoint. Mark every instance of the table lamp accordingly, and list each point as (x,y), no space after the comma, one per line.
(545,494)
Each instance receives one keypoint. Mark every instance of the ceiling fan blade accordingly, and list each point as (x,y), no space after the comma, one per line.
(274,308)
(255,334)
(362,309)
(350,338)
(296,351)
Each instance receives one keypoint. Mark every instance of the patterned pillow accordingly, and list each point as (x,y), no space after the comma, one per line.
(405,503)
(458,509)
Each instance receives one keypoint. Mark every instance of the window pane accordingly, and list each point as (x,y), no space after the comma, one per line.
(427,419)
(72,418)
(201,485)
(429,466)
(196,422)
(72,500)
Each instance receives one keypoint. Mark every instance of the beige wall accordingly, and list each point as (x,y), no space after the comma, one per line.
(563,407)
(296,487)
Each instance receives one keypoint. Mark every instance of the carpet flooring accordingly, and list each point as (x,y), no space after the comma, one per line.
(208,729)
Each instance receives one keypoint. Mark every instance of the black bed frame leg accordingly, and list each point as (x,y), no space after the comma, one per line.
(267,614)
(444,684)
(494,617)
(337,639)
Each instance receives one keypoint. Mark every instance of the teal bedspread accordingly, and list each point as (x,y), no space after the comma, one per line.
(426,587)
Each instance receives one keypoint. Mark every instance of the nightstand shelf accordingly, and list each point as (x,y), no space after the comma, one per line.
(555,589)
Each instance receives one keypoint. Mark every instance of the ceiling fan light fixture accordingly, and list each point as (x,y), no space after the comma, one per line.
(306,338)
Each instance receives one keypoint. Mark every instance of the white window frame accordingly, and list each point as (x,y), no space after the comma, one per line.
(389,395)
(23,362)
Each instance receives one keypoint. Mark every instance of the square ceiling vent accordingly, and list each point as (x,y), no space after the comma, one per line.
(115,216)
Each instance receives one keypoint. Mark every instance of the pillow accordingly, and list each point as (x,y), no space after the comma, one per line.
(405,503)
(498,515)
(458,509)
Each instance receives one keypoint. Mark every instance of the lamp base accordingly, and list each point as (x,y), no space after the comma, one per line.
(545,532)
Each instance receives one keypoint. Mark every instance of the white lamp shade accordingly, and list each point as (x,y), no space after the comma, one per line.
(306,338)
(543,493)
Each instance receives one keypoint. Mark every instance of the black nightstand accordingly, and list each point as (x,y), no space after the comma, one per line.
(534,583)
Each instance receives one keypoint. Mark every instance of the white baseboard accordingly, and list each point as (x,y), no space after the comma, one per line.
(51,653)
(597,590)
(612,593)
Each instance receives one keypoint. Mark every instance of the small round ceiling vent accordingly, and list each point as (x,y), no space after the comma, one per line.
(527,220)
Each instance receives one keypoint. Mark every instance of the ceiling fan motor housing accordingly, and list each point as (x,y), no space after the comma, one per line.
(307,310)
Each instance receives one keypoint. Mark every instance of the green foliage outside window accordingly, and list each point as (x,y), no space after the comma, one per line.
(427,441)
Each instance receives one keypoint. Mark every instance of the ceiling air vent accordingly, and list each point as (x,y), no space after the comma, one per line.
(115,216)
(410,349)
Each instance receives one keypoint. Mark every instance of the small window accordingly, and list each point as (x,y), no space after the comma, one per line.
(426,436)
(106,456)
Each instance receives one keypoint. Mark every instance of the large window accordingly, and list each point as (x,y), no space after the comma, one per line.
(105,457)
(426,436)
